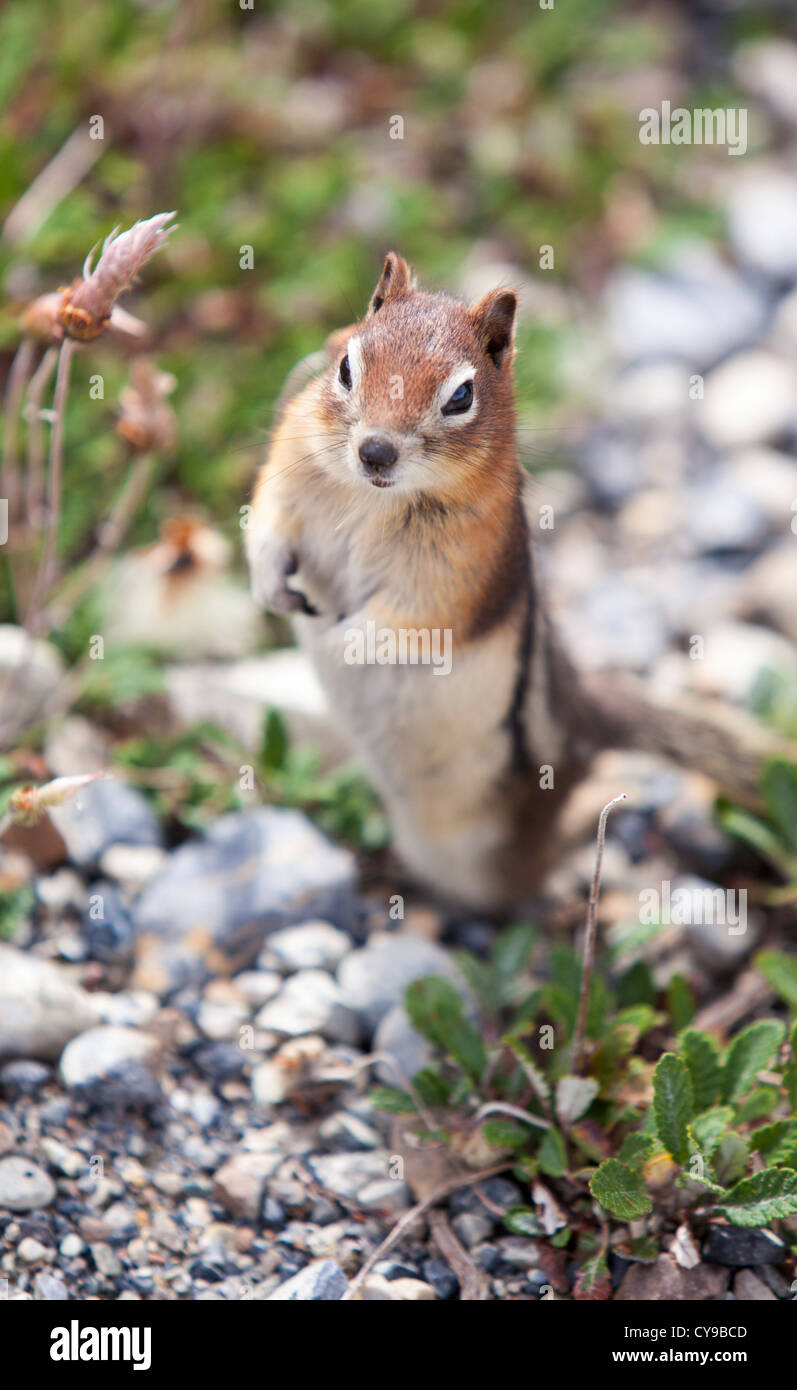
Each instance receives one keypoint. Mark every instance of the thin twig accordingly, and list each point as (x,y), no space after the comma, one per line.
(403,1224)
(589,939)
(15,390)
(502,1107)
(474,1286)
(44,577)
(34,492)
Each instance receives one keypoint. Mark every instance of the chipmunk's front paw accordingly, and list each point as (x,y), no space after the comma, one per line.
(272,568)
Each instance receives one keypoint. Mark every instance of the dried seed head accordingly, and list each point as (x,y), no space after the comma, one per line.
(86,306)
(146,420)
(27,804)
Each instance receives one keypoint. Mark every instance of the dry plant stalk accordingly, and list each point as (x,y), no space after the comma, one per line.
(589,939)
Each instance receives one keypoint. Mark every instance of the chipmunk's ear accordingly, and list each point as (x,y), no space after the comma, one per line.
(494,320)
(396,279)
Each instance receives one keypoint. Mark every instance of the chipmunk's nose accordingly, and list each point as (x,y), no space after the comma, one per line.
(377,452)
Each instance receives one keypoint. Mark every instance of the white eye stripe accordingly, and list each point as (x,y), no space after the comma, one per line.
(458,378)
(354,352)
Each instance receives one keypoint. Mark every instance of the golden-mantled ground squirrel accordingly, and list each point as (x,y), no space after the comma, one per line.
(389,519)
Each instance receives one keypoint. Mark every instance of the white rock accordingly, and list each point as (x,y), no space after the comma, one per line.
(132,865)
(762,221)
(748,400)
(24,1186)
(237,695)
(310,946)
(40,1008)
(311,1002)
(30,673)
(112,1065)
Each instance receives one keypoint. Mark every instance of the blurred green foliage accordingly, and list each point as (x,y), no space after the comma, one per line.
(270,127)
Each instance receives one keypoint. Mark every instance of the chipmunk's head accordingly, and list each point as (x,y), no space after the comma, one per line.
(420,393)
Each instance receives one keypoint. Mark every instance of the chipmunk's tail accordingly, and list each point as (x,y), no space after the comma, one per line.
(723,742)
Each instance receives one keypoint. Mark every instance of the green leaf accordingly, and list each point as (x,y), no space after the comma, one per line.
(777,1143)
(274,742)
(673,1104)
(680,1002)
(593,1281)
(636,986)
(510,955)
(389,1098)
(790,1074)
(750,1050)
(708,1128)
(432,1088)
(523,1221)
(779,790)
(730,1158)
(702,1058)
(754,832)
(757,1104)
(636,1149)
(620,1190)
(767,1196)
(435,1011)
(552,1154)
(780,971)
(505,1134)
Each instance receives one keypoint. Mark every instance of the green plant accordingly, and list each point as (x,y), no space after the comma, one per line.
(773,836)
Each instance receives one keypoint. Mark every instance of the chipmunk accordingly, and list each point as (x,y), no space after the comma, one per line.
(393,500)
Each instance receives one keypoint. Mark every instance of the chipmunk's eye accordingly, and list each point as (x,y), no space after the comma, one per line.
(345,373)
(461,400)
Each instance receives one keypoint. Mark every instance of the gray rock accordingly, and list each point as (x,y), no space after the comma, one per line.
(374,978)
(107,926)
(113,1066)
(24,1186)
(721,931)
(240,1182)
(106,812)
(396,1038)
(743,1245)
(23,1078)
(310,946)
(696,309)
(217,898)
(767,67)
(719,517)
(49,1288)
(750,1289)
(620,623)
(667,1281)
(311,1002)
(321,1281)
(30,673)
(40,1008)
(364,1176)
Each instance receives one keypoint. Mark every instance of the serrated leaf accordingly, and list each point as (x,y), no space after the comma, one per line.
(779,790)
(620,1190)
(509,956)
(780,971)
(730,1158)
(701,1056)
(673,1105)
(750,1051)
(636,1149)
(777,1143)
(574,1096)
(636,986)
(766,1196)
(757,1104)
(593,1281)
(431,1087)
(523,1221)
(680,1002)
(391,1099)
(709,1128)
(505,1134)
(552,1154)
(434,1009)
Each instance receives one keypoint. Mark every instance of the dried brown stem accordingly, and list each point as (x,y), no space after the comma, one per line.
(15,390)
(34,490)
(589,938)
(46,572)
